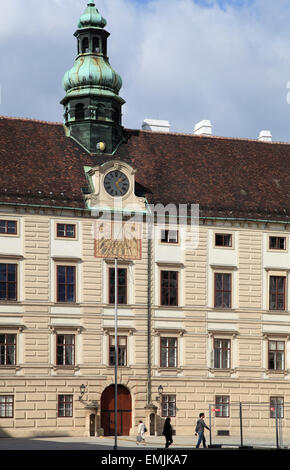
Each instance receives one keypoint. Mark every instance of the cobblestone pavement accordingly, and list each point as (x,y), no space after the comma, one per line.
(107,443)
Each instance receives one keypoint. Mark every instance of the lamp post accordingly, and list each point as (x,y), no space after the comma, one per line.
(116,353)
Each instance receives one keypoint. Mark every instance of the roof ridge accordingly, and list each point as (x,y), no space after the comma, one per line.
(16,118)
(208,137)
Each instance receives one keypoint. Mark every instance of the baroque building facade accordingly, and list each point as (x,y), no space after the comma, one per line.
(203,307)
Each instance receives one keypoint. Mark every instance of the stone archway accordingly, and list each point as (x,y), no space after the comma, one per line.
(124,423)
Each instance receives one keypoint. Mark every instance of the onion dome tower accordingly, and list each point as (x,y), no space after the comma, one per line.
(92,105)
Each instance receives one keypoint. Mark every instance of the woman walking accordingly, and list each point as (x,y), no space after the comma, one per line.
(141,432)
(167,432)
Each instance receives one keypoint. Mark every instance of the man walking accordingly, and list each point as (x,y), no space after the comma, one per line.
(199,430)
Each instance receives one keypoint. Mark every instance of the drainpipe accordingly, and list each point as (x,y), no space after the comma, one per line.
(149,306)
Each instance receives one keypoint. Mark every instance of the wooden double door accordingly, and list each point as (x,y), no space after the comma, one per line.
(124,406)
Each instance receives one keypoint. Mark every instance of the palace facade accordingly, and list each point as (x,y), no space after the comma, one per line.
(203,320)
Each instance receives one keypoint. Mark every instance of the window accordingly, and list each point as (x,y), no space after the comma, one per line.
(169,236)
(222,353)
(121,286)
(85,45)
(168,352)
(8,227)
(223,290)
(7,350)
(277,293)
(8,281)
(223,239)
(122,350)
(276,407)
(169,288)
(6,406)
(277,243)
(168,406)
(66,230)
(66,283)
(96,44)
(276,355)
(222,406)
(65,406)
(79,112)
(65,350)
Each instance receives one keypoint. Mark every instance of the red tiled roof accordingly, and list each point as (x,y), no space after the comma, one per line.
(228,177)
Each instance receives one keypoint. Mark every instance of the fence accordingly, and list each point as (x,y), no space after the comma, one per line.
(250,424)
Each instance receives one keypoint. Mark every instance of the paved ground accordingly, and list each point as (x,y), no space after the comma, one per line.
(107,443)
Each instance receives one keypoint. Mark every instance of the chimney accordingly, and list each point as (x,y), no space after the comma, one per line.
(155,125)
(265,136)
(203,128)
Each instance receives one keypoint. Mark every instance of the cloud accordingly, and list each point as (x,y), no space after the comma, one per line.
(181,60)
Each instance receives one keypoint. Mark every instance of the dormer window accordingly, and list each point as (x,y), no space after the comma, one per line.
(96,44)
(85,45)
(79,112)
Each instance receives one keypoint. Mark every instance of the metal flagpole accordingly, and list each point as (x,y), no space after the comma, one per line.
(116,353)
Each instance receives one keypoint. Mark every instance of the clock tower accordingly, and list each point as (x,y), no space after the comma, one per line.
(92,105)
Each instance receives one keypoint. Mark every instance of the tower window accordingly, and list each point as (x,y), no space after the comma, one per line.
(96,44)
(79,112)
(85,45)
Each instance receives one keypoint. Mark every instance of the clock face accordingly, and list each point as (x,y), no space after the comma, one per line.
(116,183)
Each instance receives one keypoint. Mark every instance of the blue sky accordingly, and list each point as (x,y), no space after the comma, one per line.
(180,60)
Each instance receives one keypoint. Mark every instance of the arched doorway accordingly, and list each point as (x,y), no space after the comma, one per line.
(92,425)
(124,411)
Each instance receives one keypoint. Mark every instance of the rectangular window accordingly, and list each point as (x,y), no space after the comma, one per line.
(6,406)
(121,348)
(169,236)
(223,239)
(222,353)
(276,407)
(168,352)
(222,406)
(277,293)
(66,230)
(168,406)
(8,281)
(8,226)
(169,288)
(7,350)
(65,406)
(66,283)
(276,355)
(223,290)
(65,350)
(277,243)
(121,286)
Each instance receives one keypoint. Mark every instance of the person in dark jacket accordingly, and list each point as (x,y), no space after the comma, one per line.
(199,430)
(167,432)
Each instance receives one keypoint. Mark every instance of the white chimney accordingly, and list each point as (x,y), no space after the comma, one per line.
(265,136)
(203,128)
(155,125)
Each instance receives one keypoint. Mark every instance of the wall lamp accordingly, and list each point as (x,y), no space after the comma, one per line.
(160,392)
(82,391)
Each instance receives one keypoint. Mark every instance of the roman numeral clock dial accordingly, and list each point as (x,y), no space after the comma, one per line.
(116,183)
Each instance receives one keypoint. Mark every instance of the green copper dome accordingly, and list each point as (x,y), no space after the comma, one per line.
(91,18)
(92,72)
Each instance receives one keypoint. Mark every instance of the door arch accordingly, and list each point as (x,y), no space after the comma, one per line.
(124,416)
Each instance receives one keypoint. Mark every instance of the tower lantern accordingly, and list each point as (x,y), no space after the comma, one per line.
(92,105)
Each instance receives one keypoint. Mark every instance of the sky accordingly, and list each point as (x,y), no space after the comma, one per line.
(227,61)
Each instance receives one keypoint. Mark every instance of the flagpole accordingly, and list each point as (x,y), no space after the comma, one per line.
(116,353)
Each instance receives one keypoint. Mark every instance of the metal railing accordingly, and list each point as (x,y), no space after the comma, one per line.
(249,424)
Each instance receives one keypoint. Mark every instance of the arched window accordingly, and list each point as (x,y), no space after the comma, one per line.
(80,112)
(96,44)
(85,45)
